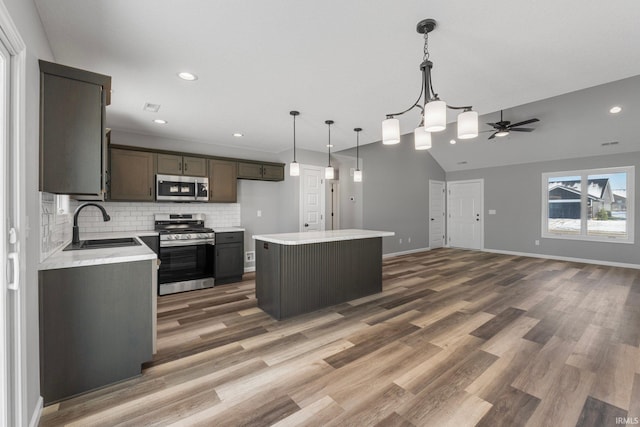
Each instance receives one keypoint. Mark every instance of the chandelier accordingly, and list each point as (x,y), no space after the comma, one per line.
(433,109)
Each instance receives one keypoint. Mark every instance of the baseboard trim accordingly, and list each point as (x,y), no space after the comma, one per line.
(249,269)
(37,412)
(565,258)
(410,251)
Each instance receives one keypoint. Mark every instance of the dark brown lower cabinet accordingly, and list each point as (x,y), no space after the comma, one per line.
(229,262)
(95,326)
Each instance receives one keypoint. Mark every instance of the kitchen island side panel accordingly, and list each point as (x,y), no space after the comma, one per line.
(318,275)
(268,281)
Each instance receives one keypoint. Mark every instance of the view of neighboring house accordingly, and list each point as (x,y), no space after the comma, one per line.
(564,198)
(619,201)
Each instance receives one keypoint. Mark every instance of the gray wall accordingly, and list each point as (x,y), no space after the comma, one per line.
(515,192)
(396,192)
(27,21)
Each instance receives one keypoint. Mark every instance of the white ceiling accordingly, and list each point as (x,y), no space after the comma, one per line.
(350,61)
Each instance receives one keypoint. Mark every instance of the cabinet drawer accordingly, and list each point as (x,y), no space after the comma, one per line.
(229,237)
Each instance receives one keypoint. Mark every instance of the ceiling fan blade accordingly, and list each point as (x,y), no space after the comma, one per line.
(522,129)
(492,124)
(492,136)
(488,130)
(526,122)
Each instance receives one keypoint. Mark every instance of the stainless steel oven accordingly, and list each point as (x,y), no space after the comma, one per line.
(179,188)
(186,253)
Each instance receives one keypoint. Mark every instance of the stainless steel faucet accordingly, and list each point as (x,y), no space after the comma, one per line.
(76,229)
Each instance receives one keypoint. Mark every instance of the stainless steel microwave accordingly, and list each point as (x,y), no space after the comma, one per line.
(179,188)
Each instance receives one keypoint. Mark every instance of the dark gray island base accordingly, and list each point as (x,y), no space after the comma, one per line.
(293,277)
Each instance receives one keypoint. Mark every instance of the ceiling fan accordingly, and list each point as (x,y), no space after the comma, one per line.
(504,127)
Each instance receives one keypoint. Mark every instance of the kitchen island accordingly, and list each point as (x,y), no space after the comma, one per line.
(298,273)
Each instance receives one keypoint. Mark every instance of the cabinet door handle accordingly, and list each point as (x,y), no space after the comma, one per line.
(185,166)
(179,165)
(149,190)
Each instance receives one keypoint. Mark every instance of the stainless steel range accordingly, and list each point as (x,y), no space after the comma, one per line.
(186,253)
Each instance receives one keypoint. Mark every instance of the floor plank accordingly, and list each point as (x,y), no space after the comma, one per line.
(455,338)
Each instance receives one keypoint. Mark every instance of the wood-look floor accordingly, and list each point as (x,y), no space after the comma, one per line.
(456,338)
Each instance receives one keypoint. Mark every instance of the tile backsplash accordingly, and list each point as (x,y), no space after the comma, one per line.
(55,229)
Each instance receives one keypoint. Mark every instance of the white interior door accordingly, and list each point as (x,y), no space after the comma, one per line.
(312,195)
(5,402)
(465,223)
(437,197)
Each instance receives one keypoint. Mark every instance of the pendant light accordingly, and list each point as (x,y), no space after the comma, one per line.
(434,110)
(328,171)
(294,167)
(421,138)
(357,174)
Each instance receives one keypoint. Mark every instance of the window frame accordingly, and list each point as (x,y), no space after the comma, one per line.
(584,236)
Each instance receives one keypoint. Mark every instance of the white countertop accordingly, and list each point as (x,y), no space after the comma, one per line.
(227,229)
(321,236)
(87,257)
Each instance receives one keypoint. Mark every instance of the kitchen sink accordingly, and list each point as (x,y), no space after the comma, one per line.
(102,244)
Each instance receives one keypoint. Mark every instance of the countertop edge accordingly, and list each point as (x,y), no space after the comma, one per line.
(298,238)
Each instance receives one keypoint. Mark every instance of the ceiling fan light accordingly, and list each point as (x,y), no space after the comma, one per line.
(294,168)
(467,125)
(390,131)
(421,138)
(357,175)
(328,172)
(435,116)
(502,133)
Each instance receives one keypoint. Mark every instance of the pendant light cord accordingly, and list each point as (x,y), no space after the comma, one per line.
(294,138)
(357,150)
(329,146)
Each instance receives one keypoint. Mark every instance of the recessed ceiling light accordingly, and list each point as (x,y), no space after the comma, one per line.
(160,121)
(453,141)
(187,76)
(464,162)
(604,144)
(615,109)
(238,135)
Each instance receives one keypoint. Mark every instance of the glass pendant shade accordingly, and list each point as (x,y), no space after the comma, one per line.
(328,172)
(467,125)
(390,131)
(357,175)
(294,169)
(422,138)
(435,116)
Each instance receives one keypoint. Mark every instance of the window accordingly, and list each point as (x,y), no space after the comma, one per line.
(589,205)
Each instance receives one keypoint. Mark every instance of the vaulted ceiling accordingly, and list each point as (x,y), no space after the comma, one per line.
(350,61)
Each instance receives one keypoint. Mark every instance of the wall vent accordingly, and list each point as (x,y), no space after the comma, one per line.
(152,108)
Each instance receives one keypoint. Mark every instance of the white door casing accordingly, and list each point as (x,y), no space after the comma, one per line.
(465,219)
(13,356)
(312,198)
(437,197)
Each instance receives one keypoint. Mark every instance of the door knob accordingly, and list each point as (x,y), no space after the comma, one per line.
(306,225)
(432,219)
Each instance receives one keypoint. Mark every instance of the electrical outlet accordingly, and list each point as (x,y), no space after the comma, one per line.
(250,256)
(400,241)
(408,239)
(259,213)
(537,242)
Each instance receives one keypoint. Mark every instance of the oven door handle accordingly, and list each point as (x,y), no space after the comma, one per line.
(171,243)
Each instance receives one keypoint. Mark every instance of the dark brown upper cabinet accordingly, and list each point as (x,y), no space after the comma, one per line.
(169,164)
(132,175)
(223,183)
(73,148)
(261,171)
